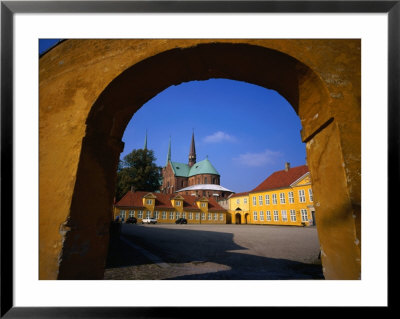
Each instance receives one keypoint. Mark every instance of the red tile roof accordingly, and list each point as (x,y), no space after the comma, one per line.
(240,194)
(281,179)
(135,200)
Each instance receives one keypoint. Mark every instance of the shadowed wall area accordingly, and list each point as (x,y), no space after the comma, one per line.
(90,89)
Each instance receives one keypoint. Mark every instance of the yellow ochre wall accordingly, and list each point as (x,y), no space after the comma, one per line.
(297,206)
(239,202)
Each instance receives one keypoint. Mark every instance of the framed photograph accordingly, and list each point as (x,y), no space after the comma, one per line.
(288,45)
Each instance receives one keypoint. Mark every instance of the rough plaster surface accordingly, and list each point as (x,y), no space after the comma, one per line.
(89,90)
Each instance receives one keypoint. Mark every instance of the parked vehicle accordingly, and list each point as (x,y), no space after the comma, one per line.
(131,220)
(149,221)
(181,221)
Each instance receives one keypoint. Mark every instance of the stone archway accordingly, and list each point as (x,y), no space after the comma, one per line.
(238,218)
(89,90)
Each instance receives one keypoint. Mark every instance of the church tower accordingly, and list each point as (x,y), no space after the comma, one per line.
(192,152)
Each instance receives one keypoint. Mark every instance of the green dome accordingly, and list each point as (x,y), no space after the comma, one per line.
(202,167)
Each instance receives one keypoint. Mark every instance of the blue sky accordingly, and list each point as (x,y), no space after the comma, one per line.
(247,131)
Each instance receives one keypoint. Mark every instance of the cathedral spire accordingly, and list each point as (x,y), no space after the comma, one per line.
(169,152)
(145,142)
(192,152)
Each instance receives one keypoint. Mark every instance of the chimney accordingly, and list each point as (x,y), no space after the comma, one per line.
(287,166)
(132,189)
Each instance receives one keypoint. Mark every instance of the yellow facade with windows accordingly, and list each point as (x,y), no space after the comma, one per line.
(292,205)
(239,208)
(168,208)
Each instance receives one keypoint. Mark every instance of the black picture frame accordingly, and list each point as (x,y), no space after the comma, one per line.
(9,8)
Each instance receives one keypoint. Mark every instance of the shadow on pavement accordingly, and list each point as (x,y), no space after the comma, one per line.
(196,247)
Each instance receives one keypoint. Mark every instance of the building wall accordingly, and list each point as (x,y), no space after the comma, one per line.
(257,206)
(204,179)
(193,217)
(242,203)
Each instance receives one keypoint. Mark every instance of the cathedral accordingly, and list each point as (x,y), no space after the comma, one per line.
(193,178)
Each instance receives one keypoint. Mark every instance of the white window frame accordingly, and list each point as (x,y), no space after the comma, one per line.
(203,216)
(254,200)
(156,214)
(184,215)
(302,196)
(310,194)
(238,201)
(221,216)
(209,216)
(304,215)
(122,214)
(282,198)
(149,201)
(177,215)
(260,200)
(269,215)
(131,213)
(245,200)
(164,215)
(255,216)
(261,216)
(215,216)
(274,199)
(292,215)
(276,216)
(267,199)
(171,215)
(291,198)
(284,215)
(190,215)
(140,214)
(178,203)
(197,216)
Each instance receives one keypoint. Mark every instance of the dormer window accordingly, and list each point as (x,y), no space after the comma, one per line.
(149,202)
(178,203)
(203,204)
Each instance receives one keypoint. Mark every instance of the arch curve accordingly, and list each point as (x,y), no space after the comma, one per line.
(88,98)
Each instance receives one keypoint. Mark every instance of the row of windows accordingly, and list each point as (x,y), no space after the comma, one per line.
(284,216)
(282,198)
(244,201)
(172,215)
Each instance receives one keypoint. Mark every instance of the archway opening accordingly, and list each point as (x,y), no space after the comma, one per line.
(95,178)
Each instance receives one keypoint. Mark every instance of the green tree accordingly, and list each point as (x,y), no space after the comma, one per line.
(138,169)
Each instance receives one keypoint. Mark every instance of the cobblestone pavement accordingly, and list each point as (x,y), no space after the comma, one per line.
(209,252)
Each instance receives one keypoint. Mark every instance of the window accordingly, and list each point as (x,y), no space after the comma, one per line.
(266,199)
(190,215)
(262,216)
(292,215)
(140,214)
(238,201)
(302,197)
(164,215)
(177,215)
(156,214)
(260,200)
(304,216)
(268,215)
(209,216)
(205,180)
(131,213)
(148,214)
(122,214)
(203,204)
(254,215)
(291,198)
(221,216)
(203,216)
(197,216)
(282,198)
(171,215)
(178,203)
(284,215)
(274,201)
(254,201)
(149,201)
(310,194)
(215,216)
(184,215)
(245,200)
(276,216)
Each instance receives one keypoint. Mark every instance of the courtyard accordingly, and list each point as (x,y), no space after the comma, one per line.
(213,252)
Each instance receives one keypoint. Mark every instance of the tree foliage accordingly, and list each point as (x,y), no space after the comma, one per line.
(138,169)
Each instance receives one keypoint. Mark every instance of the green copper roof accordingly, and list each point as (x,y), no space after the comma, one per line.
(180,169)
(203,167)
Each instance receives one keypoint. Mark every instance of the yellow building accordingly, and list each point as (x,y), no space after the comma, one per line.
(167,208)
(239,208)
(284,198)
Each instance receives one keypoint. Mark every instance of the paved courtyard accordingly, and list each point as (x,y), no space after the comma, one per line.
(226,252)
